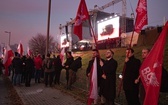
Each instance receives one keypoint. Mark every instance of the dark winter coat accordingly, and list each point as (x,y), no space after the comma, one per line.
(131,73)
(57,64)
(108,85)
(68,62)
(164,81)
(76,64)
(1,66)
(29,65)
(17,65)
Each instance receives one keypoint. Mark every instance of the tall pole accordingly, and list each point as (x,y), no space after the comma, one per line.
(48,27)
(9,33)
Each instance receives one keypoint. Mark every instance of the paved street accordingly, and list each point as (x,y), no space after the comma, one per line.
(38,94)
(4,99)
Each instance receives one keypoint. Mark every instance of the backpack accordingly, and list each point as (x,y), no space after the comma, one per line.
(49,64)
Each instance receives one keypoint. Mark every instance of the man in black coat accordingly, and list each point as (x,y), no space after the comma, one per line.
(57,68)
(95,53)
(130,74)
(29,70)
(108,84)
(76,64)
(17,65)
(67,64)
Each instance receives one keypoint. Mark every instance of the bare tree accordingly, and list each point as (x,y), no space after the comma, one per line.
(38,44)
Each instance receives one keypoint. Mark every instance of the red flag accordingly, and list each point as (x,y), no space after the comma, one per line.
(141,18)
(93,92)
(20,49)
(81,16)
(151,69)
(7,59)
(62,56)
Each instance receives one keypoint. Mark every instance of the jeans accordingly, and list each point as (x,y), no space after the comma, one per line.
(17,79)
(37,75)
(48,78)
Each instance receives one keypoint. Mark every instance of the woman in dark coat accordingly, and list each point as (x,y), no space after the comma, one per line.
(108,83)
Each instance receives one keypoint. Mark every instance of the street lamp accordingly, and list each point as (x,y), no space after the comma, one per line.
(9,36)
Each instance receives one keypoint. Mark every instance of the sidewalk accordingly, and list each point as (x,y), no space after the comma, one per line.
(4,99)
(38,94)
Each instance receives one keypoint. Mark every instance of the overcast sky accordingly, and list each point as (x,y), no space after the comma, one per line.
(27,18)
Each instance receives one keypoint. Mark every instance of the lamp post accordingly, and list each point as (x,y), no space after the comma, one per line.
(48,26)
(9,36)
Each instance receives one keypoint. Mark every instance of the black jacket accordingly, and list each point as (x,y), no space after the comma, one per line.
(68,62)
(108,85)
(131,73)
(57,64)
(17,65)
(76,64)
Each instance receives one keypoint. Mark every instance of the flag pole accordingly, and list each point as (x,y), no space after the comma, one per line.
(123,72)
(93,34)
(141,20)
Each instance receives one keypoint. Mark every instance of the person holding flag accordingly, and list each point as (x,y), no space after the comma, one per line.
(108,82)
(7,60)
(151,70)
(131,73)
(89,74)
(145,53)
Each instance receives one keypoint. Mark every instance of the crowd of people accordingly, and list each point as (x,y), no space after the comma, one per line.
(42,69)
(132,86)
(24,68)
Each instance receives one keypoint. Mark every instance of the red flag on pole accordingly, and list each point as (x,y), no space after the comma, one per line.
(82,15)
(93,92)
(7,59)
(20,49)
(62,56)
(141,18)
(151,69)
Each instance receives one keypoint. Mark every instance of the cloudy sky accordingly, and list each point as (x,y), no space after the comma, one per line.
(27,18)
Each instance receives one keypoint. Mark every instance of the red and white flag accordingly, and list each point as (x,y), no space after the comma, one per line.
(20,49)
(29,52)
(93,91)
(82,15)
(62,57)
(7,60)
(141,18)
(151,69)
